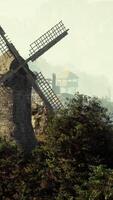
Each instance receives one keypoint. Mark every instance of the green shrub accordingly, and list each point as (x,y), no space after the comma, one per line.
(71,163)
(79,136)
(99,186)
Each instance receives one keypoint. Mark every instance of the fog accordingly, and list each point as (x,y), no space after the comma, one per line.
(88,48)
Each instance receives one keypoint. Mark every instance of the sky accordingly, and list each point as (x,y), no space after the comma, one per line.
(88,48)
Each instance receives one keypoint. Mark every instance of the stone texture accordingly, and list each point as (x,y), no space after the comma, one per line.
(6,101)
(15,107)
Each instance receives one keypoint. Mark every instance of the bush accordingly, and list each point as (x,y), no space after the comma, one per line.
(70,165)
(21,177)
(79,136)
(99,186)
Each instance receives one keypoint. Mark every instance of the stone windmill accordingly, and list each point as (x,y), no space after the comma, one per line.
(16,82)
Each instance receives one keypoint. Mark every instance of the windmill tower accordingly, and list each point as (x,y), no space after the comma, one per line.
(16,82)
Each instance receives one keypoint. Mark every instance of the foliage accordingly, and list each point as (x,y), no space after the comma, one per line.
(107,103)
(83,131)
(21,177)
(99,186)
(75,163)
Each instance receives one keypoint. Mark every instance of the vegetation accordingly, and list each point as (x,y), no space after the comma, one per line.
(75,162)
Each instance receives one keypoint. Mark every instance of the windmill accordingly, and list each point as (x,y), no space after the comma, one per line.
(17,82)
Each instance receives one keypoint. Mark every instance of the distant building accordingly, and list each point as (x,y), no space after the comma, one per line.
(68,82)
(53,83)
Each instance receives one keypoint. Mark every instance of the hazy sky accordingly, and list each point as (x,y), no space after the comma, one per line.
(88,47)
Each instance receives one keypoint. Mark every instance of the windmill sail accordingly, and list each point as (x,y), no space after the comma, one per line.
(47,92)
(38,48)
(6,47)
(3,46)
(46,41)
(42,87)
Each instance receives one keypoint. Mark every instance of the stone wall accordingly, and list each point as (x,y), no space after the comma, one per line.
(15,107)
(6,115)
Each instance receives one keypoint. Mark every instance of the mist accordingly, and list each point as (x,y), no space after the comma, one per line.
(87,50)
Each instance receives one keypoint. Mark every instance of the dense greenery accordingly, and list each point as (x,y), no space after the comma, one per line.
(75,162)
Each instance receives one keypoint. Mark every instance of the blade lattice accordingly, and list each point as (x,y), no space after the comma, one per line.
(48,37)
(3,48)
(47,94)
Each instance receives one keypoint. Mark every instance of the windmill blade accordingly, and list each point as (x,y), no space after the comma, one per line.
(46,41)
(39,47)
(3,46)
(50,99)
(6,46)
(42,87)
